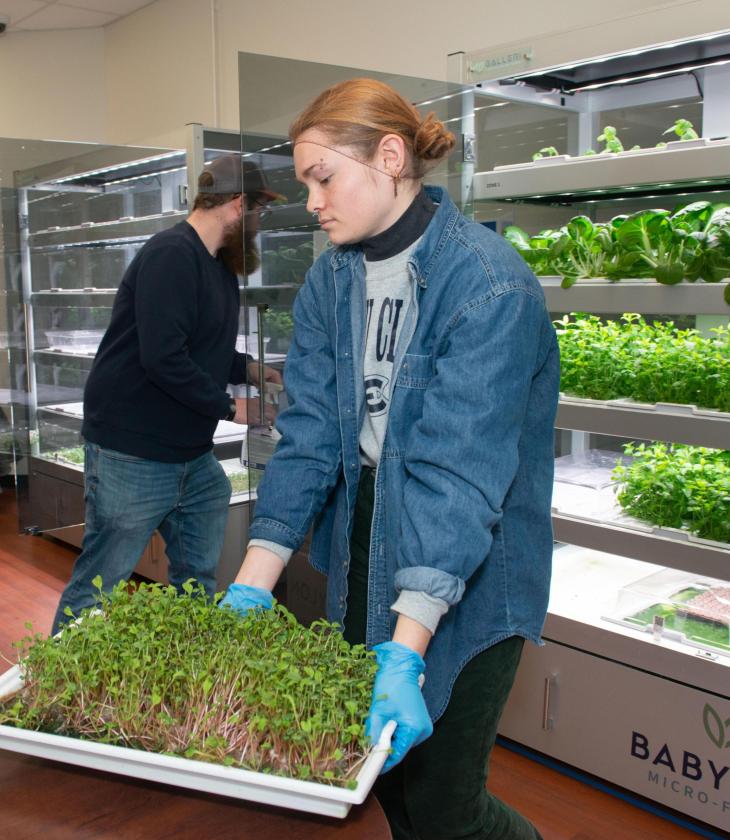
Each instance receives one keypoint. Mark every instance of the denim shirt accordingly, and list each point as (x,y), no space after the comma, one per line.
(464,483)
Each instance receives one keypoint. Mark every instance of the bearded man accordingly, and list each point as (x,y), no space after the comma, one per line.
(157,390)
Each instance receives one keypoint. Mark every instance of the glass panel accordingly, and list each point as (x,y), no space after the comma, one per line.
(289,238)
(74,216)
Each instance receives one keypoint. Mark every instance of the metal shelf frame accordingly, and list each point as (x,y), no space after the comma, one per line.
(677,424)
(645,296)
(663,550)
(141,227)
(607,175)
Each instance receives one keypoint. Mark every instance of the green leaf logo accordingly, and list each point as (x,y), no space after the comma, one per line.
(715,727)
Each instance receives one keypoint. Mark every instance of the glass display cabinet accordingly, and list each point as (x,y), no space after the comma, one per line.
(633,683)
(16,154)
(73,223)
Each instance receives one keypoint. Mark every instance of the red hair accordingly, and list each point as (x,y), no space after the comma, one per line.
(360,112)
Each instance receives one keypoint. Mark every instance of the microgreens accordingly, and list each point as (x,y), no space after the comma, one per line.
(176,674)
(677,486)
(547,151)
(646,362)
(74,455)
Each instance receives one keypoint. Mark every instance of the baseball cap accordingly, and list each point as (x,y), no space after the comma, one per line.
(230,175)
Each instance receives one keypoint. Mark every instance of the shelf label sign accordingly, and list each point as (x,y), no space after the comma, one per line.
(697,773)
(492,66)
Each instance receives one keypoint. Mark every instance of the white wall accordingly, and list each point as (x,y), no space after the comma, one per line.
(160,72)
(175,61)
(411,37)
(53,84)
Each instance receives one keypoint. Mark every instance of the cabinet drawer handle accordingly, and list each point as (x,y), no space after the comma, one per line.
(547,718)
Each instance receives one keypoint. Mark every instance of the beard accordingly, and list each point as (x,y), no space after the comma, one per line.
(239,252)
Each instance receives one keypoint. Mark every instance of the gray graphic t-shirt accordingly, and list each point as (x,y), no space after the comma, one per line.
(388,296)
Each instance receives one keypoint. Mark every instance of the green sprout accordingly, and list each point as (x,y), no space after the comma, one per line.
(176,674)
(74,455)
(609,136)
(677,486)
(683,129)
(547,151)
(646,362)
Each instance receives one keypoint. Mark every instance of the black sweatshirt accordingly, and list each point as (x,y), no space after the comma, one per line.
(157,385)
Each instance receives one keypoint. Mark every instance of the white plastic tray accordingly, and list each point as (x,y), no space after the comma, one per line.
(682,409)
(313,797)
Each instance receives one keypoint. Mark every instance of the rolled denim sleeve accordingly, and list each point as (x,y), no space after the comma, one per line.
(462,454)
(434,582)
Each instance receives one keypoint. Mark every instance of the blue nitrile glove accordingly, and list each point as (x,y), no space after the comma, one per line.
(397,696)
(242,598)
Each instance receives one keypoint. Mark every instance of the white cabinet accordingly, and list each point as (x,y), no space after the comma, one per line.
(659,737)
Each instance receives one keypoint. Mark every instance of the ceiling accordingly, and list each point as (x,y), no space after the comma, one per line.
(35,15)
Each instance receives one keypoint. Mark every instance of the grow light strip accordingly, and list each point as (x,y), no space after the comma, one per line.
(143,177)
(625,80)
(668,45)
(116,167)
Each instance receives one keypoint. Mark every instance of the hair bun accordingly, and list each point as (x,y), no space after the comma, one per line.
(432,140)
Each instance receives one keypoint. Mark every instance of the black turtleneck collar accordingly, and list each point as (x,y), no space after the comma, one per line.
(403,233)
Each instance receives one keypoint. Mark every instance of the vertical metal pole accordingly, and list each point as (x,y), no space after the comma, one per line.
(716,102)
(27,306)
(260,309)
(195,159)
(461,108)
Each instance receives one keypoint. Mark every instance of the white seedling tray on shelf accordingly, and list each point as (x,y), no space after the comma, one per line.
(681,409)
(313,797)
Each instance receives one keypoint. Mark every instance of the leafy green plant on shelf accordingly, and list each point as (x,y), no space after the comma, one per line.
(648,247)
(73,455)
(683,129)
(175,674)
(278,326)
(646,362)
(612,144)
(677,486)
(239,481)
(609,137)
(288,264)
(580,248)
(547,151)
(17,440)
(245,479)
(584,249)
(691,242)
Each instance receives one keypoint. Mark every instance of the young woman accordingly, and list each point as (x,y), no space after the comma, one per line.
(422,381)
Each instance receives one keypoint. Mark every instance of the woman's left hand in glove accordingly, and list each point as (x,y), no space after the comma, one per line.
(397,696)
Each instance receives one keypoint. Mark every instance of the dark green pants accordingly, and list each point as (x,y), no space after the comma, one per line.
(439,789)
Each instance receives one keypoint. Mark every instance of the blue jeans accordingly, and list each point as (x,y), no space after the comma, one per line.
(127,499)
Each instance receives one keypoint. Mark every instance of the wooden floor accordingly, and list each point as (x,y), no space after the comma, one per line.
(33,571)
